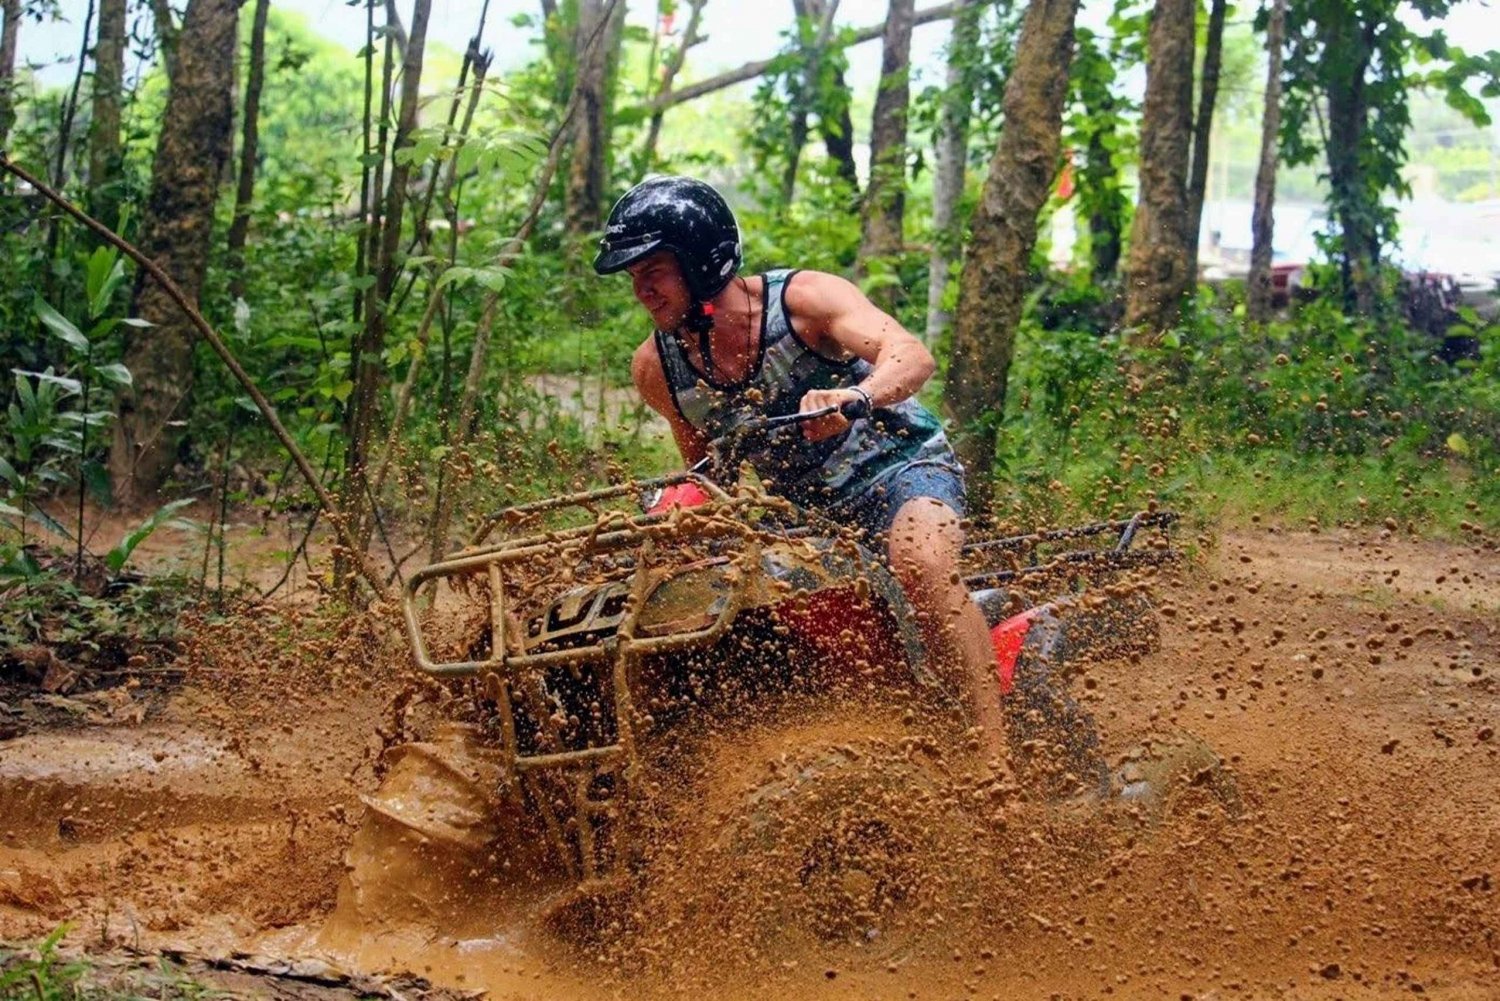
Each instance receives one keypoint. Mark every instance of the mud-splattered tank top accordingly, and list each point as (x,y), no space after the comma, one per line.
(815,474)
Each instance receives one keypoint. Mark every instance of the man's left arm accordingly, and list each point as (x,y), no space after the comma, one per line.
(837,320)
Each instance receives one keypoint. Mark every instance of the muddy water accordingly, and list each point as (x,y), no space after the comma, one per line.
(1350,682)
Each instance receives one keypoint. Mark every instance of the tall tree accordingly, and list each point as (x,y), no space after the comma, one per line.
(10,33)
(1157,273)
(176,228)
(588,166)
(367,360)
(167,34)
(1349,74)
(883,209)
(951,153)
(104,124)
(239,227)
(1002,235)
(1262,220)
(837,127)
(1203,127)
(827,91)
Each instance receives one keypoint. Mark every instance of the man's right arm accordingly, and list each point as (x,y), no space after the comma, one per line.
(651,383)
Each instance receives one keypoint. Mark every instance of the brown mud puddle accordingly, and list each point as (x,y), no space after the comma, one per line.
(1357,707)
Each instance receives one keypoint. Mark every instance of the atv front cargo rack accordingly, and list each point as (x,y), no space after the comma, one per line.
(510,672)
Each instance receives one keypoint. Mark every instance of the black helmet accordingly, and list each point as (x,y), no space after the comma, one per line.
(679,214)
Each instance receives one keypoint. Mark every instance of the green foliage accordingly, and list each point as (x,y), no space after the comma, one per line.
(117,557)
(42,973)
(785,98)
(37,446)
(1097,128)
(1319,417)
(48,977)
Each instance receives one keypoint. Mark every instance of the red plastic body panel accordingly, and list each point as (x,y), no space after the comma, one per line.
(679,495)
(1007,637)
(826,619)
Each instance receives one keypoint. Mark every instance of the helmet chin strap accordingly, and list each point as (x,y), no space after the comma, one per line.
(700,320)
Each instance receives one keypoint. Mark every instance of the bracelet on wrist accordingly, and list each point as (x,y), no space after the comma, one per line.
(869,400)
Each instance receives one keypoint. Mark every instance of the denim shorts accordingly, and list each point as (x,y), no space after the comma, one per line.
(874,511)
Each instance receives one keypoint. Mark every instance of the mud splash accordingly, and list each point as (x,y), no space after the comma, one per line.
(1355,707)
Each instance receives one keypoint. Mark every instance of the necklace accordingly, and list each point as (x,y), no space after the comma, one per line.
(705,345)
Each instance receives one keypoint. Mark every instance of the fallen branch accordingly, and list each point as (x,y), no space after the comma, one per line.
(750,71)
(362,563)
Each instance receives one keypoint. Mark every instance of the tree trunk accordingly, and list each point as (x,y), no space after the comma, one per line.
(369,366)
(167,34)
(674,65)
(837,129)
(1348,117)
(10,34)
(1208,95)
(1157,275)
(948,174)
(1258,294)
(176,229)
(882,212)
(997,262)
(588,168)
(1106,222)
(239,228)
(104,128)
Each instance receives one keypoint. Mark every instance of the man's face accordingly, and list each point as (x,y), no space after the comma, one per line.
(659,286)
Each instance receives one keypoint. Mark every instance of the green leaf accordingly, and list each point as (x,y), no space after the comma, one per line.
(116,373)
(105,272)
(120,555)
(61,326)
(8,473)
(20,566)
(70,386)
(1458,444)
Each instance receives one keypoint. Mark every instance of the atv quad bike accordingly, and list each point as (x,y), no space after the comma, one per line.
(599,644)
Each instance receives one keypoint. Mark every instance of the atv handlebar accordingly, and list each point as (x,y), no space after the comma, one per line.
(757,434)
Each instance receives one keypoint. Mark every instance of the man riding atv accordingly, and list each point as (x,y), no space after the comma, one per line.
(724,672)
(728,348)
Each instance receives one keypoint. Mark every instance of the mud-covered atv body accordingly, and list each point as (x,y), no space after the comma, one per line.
(596,639)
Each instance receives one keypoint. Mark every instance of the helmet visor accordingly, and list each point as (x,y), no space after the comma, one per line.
(617,255)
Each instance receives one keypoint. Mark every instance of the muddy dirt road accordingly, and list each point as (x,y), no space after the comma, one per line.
(1352,683)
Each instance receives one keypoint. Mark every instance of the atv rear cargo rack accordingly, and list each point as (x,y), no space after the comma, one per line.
(1119,556)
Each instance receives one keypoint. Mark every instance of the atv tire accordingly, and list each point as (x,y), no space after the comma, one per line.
(848,842)
(1054,739)
(1172,774)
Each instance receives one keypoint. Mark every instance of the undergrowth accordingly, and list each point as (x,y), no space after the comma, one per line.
(42,973)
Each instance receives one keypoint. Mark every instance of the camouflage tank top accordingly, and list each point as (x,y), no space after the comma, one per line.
(815,474)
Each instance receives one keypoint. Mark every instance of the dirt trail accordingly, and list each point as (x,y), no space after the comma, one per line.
(1356,706)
